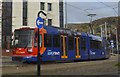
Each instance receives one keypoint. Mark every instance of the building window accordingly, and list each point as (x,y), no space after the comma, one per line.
(61,15)
(49,7)
(49,22)
(25,13)
(42,5)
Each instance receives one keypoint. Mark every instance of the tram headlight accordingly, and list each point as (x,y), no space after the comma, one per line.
(30,50)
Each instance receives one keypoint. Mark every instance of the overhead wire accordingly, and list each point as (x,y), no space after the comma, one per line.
(101,8)
(87,10)
(78,8)
(108,6)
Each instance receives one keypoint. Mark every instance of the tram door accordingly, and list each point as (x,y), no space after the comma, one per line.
(77,47)
(64,47)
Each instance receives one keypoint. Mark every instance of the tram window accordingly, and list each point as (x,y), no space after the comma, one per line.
(92,44)
(56,41)
(83,43)
(47,40)
(71,43)
(95,44)
(35,39)
(99,45)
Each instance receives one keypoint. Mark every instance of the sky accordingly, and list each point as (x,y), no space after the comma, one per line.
(92,0)
(77,10)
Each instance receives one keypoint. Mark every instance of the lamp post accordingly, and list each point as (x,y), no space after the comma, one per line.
(101,30)
(65,14)
(117,47)
(91,26)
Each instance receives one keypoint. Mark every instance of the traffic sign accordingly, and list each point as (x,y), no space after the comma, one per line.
(39,22)
(111,41)
(112,46)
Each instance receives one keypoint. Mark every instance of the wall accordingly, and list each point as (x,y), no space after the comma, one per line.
(33,8)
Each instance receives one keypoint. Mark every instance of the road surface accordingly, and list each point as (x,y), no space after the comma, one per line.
(99,67)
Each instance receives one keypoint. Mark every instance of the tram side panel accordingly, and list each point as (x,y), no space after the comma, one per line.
(96,49)
(84,48)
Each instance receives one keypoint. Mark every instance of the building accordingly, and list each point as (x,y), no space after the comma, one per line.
(0,22)
(118,28)
(6,23)
(24,12)
(19,13)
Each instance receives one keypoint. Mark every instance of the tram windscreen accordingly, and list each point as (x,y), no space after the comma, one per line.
(23,38)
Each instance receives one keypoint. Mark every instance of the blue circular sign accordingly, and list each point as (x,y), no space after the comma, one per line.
(111,41)
(39,22)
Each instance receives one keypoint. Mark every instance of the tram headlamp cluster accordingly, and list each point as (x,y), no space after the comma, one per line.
(30,50)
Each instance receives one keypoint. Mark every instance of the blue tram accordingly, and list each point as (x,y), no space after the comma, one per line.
(58,44)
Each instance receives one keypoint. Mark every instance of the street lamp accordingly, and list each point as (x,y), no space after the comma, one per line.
(91,26)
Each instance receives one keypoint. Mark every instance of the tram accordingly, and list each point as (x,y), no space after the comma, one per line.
(57,44)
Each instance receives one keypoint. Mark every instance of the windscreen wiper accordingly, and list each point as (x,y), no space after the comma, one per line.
(26,44)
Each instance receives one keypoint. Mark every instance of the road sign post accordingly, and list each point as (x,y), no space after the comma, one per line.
(39,23)
(38,56)
(112,45)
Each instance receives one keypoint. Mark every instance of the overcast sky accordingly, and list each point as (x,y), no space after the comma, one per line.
(77,10)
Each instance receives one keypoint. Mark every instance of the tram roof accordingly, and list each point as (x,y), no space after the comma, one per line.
(94,37)
(58,30)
